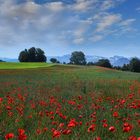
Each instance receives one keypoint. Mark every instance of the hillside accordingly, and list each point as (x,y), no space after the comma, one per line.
(86,72)
(68,102)
(14,65)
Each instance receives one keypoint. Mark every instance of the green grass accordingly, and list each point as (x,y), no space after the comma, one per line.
(64,83)
(8,65)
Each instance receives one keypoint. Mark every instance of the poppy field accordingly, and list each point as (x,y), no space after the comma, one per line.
(69,103)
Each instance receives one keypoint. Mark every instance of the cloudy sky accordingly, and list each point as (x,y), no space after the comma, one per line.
(96,27)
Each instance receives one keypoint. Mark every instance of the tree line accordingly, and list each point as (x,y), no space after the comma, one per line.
(32,55)
(77,58)
(134,65)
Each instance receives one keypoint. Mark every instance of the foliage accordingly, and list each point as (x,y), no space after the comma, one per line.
(90,64)
(32,55)
(126,67)
(1,61)
(78,58)
(53,60)
(135,65)
(104,63)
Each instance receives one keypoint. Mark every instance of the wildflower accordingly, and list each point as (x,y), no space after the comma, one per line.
(115,114)
(104,120)
(9,136)
(105,125)
(66,132)
(97,138)
(112,128)
(71,102)
(92,128)
(132,138)
(1,100)
(21,134)
(8,107)
(80,97)
(56,134)
(72,123)
(127,127)
(38,131)
(61,125)
(45,129)
(21,131)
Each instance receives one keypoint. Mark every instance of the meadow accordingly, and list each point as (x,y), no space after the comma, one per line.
(64,102)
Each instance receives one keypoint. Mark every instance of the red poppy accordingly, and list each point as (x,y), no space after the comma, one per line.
(92,128)
(105,125)
(116,114)
(61,125)
(132,138)
(97,138)
(56,134)
(9,136)
(72,123)
(21,134)
(112,128)
(1,100)
(127,127)
(66,132)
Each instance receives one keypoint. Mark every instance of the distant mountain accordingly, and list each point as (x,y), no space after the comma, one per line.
(9,59)
(119,60)
(64,58)
(115,60)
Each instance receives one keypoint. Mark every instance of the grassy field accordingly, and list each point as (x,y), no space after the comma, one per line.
(69,103)
(6,65)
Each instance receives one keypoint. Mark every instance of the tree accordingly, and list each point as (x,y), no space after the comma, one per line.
(126,67)
(23,56)
(104,63)
(2,61)
(78,58)
(90,64)
(40,55)
(134,65)
(32,55)
(53,60)
(117,67)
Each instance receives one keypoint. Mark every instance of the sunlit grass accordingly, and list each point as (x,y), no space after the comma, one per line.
(12,65)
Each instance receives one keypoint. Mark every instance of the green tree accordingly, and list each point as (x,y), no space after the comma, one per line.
(53,60)
(104,63)
(1,61)
(32,55)
(40,55)
(126,67)
(23,56)
(135,65)
(78,58)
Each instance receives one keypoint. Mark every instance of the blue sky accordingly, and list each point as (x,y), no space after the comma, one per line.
(96,27)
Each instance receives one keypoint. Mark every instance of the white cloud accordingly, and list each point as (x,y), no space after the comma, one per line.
(107,4)
(58,21)
(108,21)
(83,5)
(127,22)
(138,9)
(96,38)
(55,6)
(78,40)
